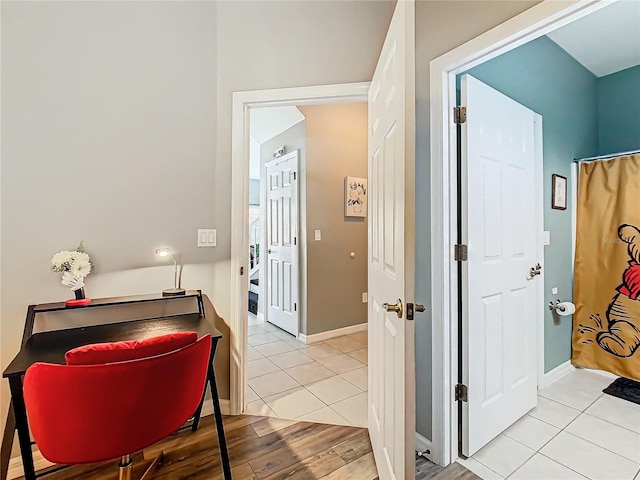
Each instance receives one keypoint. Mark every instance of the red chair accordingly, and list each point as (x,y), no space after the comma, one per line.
(112,400)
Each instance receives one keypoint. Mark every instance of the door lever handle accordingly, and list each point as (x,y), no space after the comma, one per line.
(394,307)
(537,270)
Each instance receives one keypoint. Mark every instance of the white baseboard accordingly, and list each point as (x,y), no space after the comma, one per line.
(15,464)
(556,374)
(260,316)
(424,445)
(322,336)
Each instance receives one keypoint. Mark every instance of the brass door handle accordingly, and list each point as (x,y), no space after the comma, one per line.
(394,307)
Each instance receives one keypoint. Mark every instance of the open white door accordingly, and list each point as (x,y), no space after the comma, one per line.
(501,216)
(391,250)
(282,245)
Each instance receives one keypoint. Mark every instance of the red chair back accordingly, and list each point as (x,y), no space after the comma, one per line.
(91,413)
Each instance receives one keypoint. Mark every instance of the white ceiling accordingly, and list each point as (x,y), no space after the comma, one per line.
(606,41)
(264,124)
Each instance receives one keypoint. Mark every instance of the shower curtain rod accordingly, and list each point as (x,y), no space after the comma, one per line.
(604,157)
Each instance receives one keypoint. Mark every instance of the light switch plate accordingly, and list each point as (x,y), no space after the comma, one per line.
(554,291)
(207,237)
(318,235)
(365,298)
(546,237)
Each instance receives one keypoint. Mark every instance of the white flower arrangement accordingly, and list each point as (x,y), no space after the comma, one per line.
(74,265)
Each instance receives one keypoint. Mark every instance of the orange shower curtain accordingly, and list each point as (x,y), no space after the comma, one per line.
(606,325)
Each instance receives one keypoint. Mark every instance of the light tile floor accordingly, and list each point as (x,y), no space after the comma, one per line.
(323,382)
(575,432)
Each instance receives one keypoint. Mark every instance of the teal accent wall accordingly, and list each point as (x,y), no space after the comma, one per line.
(619,111)
(544,78)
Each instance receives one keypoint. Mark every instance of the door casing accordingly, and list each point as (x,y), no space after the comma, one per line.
(242,103)
(529,25)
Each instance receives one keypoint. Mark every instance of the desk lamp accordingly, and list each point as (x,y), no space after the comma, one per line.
(177,280)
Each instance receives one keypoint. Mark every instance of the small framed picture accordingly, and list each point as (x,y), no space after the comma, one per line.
(558,192)
(355,197)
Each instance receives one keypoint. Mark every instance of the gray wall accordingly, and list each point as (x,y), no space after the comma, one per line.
(336,148)
(440,27)
(108,121)
(543,77)
(116,128)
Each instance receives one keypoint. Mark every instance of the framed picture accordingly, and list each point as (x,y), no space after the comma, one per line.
(355,197)
(558,192)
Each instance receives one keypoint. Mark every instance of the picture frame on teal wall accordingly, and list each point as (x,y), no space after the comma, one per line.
(558,192)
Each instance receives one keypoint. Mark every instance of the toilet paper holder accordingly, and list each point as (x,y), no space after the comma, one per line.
(553,306)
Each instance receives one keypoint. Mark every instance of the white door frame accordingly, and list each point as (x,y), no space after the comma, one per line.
(242,103)
(525,27)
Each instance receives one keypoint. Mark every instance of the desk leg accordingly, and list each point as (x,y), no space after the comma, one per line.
(222,441)
(20,412)
(7,441)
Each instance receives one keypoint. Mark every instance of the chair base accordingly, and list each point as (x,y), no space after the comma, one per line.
(126,467)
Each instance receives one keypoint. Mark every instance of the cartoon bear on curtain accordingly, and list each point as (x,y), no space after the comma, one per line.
(621,334)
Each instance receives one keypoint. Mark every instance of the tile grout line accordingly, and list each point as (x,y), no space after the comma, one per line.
(300,385)
(603,448)
(560,463)
(573,435)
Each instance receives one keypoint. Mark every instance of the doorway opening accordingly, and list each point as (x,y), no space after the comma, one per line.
(312,369)
(533,24)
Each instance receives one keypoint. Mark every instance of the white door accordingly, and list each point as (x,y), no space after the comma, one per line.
(500,206)
(282,245)
(391,250)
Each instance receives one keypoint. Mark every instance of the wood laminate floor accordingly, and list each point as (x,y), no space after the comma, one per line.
(260,448)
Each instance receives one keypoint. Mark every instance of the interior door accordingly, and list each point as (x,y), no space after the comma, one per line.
(282,245)
(391,250)
(499,207)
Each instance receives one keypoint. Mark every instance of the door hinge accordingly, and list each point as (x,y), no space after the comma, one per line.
(460,253)
(462,393)
(241,270)
(459,115)
(294,175)
(295,240)
(295,307)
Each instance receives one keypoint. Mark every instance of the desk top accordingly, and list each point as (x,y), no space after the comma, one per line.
(110,301)
(51,346)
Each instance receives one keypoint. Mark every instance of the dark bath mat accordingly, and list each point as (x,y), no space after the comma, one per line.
(626,389)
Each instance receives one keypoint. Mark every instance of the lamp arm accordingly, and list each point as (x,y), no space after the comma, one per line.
(175,275)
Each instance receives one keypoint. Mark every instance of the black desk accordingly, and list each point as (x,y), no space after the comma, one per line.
(50,347)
